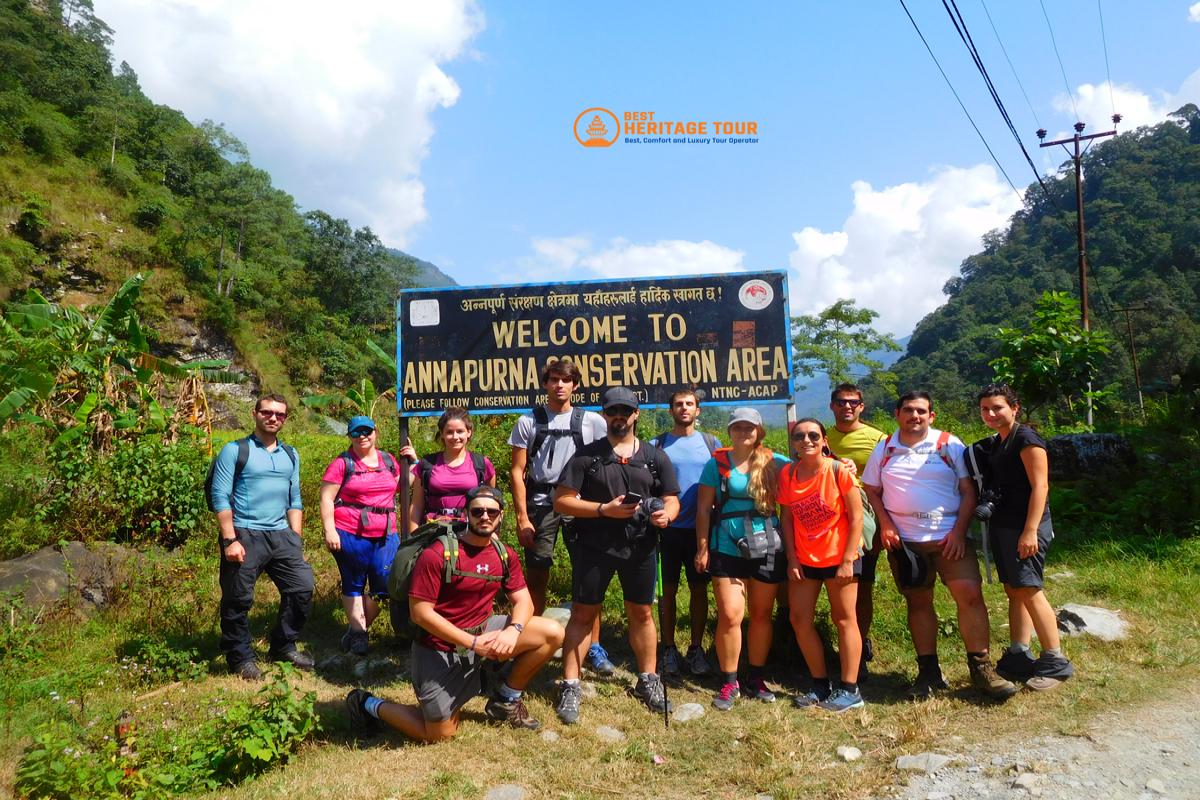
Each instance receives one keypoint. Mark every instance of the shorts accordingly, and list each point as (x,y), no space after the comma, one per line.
(829,573)
(764,570)
(364,559)
(445,681)
(546,522)
(1023,573)
(592,571)
(677,548)
(962,569)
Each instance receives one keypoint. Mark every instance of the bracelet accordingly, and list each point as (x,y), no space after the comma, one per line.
(474,639)
(599,509)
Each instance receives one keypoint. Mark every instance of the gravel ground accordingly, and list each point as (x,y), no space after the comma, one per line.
(1145,753)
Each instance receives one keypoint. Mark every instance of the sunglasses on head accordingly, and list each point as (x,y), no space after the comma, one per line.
(480,513)
(268,414)
(812,436)
(847,403)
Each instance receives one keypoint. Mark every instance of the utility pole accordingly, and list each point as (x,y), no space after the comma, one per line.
(1137,376)
(1080,236)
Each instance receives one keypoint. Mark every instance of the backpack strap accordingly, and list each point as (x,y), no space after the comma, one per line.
(658,440)
(943,449)
(426,469)
(541,429)
(239,466)
(480,466)
(577,426)
(713,442)
(724,466)
(449,556)
(349,470)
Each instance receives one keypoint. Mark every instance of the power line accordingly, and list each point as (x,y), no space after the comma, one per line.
(1107,72)
(988,147)
(1010,63)
(960,25)
(1061,68)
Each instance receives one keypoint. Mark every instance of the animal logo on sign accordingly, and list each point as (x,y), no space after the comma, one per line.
(756,294)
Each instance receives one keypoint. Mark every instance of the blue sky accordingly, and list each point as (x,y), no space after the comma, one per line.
(447,126)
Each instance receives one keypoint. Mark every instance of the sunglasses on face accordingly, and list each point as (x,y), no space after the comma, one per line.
(361,432)
(269,414)
(490,513)
(618,411)
(846,403)
(812,436)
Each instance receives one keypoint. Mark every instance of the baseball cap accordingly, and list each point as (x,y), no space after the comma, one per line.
(619,396)
(358,422)
(483,490)
(745,414)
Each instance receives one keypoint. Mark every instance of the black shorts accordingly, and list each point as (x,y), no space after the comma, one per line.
(764,570)
(1022,573)
(829,573)
(677,549)
(592,571)
(546,522)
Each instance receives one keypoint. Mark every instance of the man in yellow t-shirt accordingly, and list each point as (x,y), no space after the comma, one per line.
(854,439)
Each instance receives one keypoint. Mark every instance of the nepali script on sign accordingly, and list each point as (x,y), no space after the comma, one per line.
(483,348)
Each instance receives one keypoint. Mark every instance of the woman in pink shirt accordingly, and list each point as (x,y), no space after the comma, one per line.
(358,513)
(441,480)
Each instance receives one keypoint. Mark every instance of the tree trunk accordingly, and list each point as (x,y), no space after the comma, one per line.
(220,263)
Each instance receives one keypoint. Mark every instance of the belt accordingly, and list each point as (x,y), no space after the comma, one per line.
(925,514)
(361,507)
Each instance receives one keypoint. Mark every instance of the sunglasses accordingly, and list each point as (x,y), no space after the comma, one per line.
(812,436)
(845,403)
(358,433)
(618,411)
(269,414)
(490,513)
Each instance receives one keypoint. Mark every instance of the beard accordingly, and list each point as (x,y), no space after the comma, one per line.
(620,429)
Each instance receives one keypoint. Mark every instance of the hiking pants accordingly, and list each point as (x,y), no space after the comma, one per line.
(280,554)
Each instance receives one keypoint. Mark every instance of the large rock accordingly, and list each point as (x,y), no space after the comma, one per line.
(89,572)
(1074,619)
(928,763)
(1088,455)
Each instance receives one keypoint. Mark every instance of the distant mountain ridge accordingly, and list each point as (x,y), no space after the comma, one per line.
(425,274)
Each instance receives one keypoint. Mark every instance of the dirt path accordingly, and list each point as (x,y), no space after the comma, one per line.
(1147,753)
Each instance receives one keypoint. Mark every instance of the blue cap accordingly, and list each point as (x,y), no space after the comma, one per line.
(358,422)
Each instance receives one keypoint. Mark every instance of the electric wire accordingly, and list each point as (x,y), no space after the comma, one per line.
(1004,50)
(961,105)
(1061,68)
(1107,72)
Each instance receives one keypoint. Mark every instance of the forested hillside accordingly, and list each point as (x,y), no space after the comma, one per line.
(97,182)
(1142,201)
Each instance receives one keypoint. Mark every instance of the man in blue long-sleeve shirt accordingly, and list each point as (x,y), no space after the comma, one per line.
(260,515)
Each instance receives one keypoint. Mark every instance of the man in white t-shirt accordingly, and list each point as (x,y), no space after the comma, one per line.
(917,482)
(542,444)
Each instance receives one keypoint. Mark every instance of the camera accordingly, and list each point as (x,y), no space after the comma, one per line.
(647,507)
(988,500)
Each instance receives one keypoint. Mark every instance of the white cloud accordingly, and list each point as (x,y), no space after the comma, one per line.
(899,245)
(575,258)
(1135,106)
(336,103)
(1194,13)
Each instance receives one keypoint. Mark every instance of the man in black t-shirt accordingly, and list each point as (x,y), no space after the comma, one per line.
(618,489)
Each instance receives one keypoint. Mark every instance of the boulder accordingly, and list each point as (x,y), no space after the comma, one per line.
(1087,455)
(1074,619)
(89,572)
(928,763)
(688,712)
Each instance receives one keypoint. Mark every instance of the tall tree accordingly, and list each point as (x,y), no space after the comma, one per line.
(837,339)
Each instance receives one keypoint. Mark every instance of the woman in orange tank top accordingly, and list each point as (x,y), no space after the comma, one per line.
(822,533)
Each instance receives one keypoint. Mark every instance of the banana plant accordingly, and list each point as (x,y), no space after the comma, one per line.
(361,399)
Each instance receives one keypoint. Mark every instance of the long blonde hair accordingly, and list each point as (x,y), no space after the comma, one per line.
(761,470)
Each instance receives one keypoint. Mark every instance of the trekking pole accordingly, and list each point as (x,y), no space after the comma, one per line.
(658,591)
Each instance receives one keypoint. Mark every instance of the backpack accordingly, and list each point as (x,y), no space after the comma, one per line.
(349,472)
(649,462)
(943,451)
(713,442)
(542,430)
(405,561)
(243,455)
(754,544)
(426,464)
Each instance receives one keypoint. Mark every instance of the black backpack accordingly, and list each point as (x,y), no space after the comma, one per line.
(426,464)
(400,578)
(542,430)
(243,455)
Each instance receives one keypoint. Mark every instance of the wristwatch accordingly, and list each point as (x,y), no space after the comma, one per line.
(520,628)
(226,542)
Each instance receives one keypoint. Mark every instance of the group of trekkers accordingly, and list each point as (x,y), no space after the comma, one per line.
(742,518)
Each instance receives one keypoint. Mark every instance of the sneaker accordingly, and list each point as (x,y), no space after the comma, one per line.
(757,688)
(926,684)
(355,642)
(813,697)
(841,700)
(569,699)
(1049,672)
(247,671)
(670,661)
(297,659)
(650,691)
(987,681)
(1016,666)
(697,662)
(356,709)
(514,713)
(726,697)
(597,660)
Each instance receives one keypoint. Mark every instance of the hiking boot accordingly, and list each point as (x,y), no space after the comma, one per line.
(650,691)
(597,660)
(757,688)
(1049,671)
(1016,666)
(297,659)
(514,713)
(697,662)
(985,679)
(356,709)
(355,642)
(841,700)
(247,671)
(927,682)
(726,697)
(569,699)
(670,661)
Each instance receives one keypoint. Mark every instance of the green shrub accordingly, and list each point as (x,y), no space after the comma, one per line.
(121,175)
(47,132)
(153,208)
(33,221)
(150,661)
